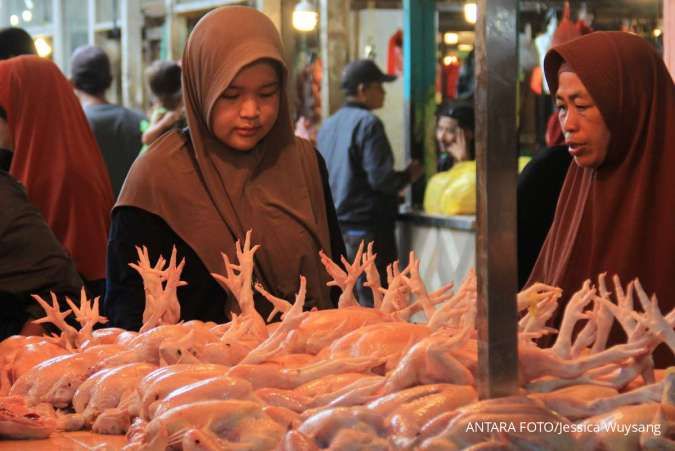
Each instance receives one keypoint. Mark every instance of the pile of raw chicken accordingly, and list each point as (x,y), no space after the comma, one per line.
(351,378)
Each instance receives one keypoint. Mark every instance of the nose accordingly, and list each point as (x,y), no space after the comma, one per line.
(249,108)
(569,121)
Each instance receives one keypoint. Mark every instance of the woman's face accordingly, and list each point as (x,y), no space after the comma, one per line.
(584,128)
(247,110)
(451,138)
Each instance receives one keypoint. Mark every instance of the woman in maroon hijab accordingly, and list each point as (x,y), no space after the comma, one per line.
(57,160)
(616,211)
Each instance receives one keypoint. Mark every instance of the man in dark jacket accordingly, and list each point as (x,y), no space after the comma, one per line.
(363,182)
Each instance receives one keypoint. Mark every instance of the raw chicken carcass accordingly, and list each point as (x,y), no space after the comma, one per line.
(215,388)
(405,421)
(431,361)
(324,429)
(18,421)
(115,388)
(55,381)
(462,428)
(387,341)
(232,424)
(154,392)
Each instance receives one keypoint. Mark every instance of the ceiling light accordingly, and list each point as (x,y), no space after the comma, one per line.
(305,16)
(14,20)
(27,15)
(470,12)
(464,47)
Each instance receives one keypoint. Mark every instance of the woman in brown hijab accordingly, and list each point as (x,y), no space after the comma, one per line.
(237,167)
(616,211)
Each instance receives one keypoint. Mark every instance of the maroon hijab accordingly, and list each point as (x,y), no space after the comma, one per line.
(620,217)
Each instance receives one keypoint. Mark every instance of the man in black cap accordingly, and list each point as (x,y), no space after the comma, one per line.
(363,182)
(117,129)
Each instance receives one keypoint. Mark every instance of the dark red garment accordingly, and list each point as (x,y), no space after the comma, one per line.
(57,159)
(620,217)
(395,54)
(554,133)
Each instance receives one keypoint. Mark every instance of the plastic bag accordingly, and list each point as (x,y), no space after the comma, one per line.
(459,195)
(453,192)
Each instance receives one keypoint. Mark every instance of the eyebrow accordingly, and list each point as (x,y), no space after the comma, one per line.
(575,95)
(266,85)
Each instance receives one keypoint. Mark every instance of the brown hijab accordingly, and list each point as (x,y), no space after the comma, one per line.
(620,217)
(211,195)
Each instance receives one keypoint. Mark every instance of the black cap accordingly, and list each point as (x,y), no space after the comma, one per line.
(90,70)
(462,112)
(363,71)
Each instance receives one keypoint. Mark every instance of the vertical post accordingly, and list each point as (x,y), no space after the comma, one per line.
(131,54)
(496,155)
(669,35)
(419,83)
(288,38)
(59,33)
(334,22)
(91,22)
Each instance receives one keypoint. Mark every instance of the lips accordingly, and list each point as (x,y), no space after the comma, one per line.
(246,131)
(575,148)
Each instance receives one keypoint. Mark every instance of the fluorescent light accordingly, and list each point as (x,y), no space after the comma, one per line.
(470,12)
(305,16)
(42,46)
(451,38)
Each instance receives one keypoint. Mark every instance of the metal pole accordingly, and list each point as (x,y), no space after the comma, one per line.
(496,154)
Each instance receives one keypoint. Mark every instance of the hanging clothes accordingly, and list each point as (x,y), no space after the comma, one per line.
(395,54)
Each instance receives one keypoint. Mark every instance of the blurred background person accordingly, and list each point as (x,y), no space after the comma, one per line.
(56,158)
(32,261)
(117,129)
(454,134)
(14,42)
(167,111)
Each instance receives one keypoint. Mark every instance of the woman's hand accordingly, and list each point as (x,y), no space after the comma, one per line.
(458,147)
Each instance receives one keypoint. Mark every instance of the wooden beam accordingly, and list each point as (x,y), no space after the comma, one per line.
(496,154)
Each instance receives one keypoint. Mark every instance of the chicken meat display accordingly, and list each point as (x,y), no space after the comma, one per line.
(349,378)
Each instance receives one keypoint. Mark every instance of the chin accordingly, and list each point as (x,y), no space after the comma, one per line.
(243,145)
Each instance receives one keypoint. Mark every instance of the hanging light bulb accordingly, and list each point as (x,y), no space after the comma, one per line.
(42,46)
(305,16)
(470,12)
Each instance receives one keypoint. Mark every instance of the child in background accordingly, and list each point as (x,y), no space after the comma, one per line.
(164,80)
